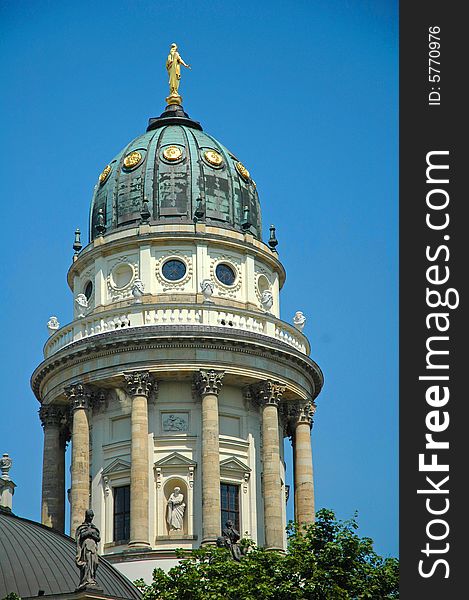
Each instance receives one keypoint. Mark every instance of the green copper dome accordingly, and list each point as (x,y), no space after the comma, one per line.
(181,172)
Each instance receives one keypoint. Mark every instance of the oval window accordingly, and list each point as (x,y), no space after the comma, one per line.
(225,274)
(88,290)
(262,284)
(174,269)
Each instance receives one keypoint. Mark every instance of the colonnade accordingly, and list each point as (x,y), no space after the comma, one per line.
(207,386)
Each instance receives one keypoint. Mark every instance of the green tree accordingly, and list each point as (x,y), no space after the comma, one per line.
(324,561)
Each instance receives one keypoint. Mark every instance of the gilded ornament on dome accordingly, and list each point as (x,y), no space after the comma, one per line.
(132,159)
(105,174)
(213,158)
(172,153)
(173,66)
(242,171)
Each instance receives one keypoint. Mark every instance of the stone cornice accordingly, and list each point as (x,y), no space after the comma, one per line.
(208,382)
(161,337)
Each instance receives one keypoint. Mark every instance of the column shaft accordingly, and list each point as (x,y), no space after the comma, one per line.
(273,522)
(208,384)
(304,484)
(80,468)
(211,514)
(53,476)
(139,510)
(139,384)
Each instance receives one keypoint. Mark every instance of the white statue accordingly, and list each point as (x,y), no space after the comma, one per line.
(299,320)
(267,300)
(138,291)
(207,288)
(52,325)
(175,510)
(82,305)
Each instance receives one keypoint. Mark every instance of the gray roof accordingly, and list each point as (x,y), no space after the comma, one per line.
(34,557)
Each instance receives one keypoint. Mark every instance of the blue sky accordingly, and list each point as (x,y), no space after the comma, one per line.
(305,93)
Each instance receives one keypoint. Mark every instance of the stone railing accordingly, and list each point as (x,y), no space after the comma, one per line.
(138,315)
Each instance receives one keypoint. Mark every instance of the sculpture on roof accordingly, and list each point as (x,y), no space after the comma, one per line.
(87,538)
(173,66)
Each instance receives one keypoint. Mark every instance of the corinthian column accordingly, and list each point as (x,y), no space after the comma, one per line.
(53,467)
(208,385)
(139,385)
(80,401)
(303,463)
(269,394)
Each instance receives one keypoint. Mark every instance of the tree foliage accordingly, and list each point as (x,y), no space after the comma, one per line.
(324,561)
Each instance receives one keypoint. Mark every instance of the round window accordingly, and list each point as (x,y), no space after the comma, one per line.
(122,275)
(88,290)
(225,274)
(174,269)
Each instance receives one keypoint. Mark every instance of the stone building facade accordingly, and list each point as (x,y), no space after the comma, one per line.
(177,381)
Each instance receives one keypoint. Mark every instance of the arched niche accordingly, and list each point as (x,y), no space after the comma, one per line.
(170,471)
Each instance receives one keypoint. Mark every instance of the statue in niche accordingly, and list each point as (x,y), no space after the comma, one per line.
(174,423)
(175,510)
(87,538)
(230,540)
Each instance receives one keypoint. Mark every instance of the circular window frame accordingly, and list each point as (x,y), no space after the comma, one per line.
(112,281)
(167,284)
(232,268)
(178,259)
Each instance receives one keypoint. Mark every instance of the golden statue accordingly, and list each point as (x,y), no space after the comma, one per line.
(173,66)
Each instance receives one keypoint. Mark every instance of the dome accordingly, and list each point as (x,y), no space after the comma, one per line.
(34,557)
(182,172)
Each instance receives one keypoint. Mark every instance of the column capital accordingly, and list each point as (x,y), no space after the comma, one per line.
(79,396)
(268,392)
(208,382)
(52,415)
(139,383)
(298,413)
